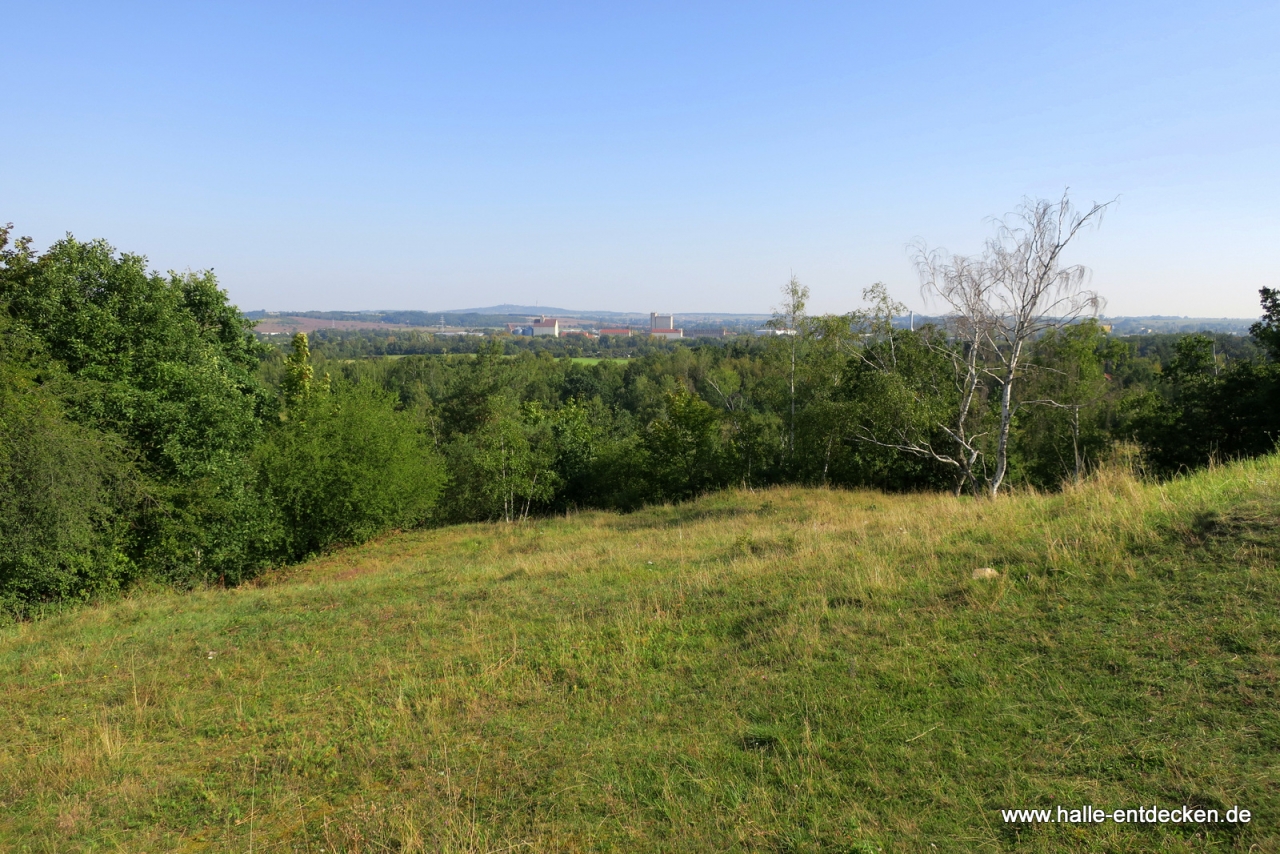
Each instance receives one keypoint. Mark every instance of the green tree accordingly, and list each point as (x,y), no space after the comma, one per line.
(1194,361)
(914,418)
(1201,410)
(912,400)
(1267,330)
(577,429)
(66,491)
(485,381)
(1062,420)
(348,466)
(298,372)
(165,364)
(684,448)
(504,468)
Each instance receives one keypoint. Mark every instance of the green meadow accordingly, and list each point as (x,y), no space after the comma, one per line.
(785,670)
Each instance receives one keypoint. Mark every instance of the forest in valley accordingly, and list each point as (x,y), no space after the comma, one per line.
(147,435)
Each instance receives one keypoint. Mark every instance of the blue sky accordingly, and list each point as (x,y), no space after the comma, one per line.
(654,156)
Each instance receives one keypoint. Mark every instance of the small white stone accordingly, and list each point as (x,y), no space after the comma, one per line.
(985,572)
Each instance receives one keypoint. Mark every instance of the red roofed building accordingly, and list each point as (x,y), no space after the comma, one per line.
(546,327)
(618,331)
(663,326)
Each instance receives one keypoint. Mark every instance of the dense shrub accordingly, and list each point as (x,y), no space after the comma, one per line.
(164,365)
(685,449)
(64,495)
(345,466)
(1200,411)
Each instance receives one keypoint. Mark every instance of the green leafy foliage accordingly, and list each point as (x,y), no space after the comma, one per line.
(298,372)
(896,393)
(1068,413)
(685,449)
(64,489)
(1267,330)
(1197,414)
(346,466)
(146,432)
(163,364)
(504,467)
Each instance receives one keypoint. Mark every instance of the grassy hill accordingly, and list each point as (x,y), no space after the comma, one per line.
(787,670)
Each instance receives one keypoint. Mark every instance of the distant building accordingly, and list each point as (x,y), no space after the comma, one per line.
(624,332)
(708,332)
(519,329)
(546,327)
(664,326)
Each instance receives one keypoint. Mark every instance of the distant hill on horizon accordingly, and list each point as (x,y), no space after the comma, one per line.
(508,308)
(497,316)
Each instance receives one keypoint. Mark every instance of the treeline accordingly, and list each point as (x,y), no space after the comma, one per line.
(145,433)
(366,343)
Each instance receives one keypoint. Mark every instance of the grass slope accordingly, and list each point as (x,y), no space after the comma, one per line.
(788,670)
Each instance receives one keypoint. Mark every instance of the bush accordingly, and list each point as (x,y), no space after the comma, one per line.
(505,468)
(685,448)
(64,492)
(346,466)
(161,367)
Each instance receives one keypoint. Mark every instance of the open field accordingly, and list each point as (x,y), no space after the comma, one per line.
(292,324)
(786,670)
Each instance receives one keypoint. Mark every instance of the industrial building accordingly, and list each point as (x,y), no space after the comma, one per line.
(664,326)
(546,327)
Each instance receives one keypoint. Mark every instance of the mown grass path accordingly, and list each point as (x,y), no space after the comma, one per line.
(788,670)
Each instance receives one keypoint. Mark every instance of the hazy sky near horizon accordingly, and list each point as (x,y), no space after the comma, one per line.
(654,156)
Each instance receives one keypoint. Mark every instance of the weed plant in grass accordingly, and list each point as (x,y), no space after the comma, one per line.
(787,670)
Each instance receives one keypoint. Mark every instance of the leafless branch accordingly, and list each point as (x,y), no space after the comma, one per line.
(1015,291)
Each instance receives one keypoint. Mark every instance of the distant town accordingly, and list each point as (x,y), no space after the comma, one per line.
(660,326)
(531,321)
(553,323)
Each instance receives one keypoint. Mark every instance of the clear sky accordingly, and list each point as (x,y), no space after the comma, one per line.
(648,156)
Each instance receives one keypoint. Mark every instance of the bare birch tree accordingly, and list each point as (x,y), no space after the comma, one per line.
(997,303)
(788,320)
(964,285)
(1031,293)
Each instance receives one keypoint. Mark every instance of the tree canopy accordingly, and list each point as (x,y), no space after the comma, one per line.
(146,432)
